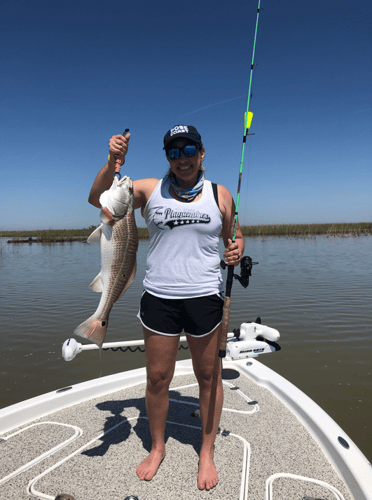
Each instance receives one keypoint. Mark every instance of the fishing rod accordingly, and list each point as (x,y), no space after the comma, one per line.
(248,115)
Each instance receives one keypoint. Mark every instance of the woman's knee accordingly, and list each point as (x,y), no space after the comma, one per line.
(158,379)
(207,375)
(206,363)
(161,354)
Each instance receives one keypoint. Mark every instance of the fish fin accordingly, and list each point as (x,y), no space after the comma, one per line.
(130,281)
(93,329)
(95,237)
(97,285)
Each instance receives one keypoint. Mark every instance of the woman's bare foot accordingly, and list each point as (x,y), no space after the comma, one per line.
(207,477)
(148,467)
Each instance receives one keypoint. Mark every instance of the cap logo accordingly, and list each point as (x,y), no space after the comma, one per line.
(179,129)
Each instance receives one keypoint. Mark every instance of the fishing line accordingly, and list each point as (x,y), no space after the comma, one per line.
(246,184)
(248,115)
(214,104)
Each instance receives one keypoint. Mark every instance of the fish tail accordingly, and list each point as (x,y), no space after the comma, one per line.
(93,329)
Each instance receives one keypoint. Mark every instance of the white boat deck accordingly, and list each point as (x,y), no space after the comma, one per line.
(90,450)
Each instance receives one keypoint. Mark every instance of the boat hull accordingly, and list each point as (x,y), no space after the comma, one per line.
(279,404)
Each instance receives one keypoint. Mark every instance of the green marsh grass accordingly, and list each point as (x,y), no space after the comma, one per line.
(293,230)
(57,235)
(334,229)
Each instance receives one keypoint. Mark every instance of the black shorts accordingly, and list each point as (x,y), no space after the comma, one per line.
(196,317)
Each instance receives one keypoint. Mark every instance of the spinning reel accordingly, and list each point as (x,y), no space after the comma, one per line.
(245,270)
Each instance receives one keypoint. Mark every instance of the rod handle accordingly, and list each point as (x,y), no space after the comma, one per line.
(118,160)
(224,328)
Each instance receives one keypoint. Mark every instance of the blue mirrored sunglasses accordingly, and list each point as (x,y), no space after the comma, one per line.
(189,150)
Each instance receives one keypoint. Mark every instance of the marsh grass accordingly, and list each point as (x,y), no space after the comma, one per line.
(293,230)
(336,229)
(56,235)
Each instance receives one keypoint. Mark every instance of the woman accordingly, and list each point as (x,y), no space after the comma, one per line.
(183,283)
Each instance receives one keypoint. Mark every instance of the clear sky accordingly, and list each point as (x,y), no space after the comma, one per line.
(74,73)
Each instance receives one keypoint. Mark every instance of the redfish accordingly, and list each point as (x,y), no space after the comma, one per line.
(119,243)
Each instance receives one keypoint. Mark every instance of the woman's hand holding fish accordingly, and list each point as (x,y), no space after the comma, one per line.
(118,146)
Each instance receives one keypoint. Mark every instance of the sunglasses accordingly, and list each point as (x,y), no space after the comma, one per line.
(188,151)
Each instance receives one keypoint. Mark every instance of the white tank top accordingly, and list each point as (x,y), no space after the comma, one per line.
(183,259)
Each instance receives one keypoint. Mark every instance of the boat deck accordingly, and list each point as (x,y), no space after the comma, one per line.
(262,450)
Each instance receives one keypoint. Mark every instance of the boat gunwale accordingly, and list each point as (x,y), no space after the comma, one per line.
(349,463)
(41,406)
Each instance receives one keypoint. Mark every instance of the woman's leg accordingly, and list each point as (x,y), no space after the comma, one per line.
(161,353)
(207,368)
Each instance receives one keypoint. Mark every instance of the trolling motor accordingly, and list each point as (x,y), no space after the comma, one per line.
(245,270)
(251,340)
(248,341)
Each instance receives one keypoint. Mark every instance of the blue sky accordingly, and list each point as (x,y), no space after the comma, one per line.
(76,72)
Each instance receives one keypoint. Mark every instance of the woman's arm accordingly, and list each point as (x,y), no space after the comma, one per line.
(118,146)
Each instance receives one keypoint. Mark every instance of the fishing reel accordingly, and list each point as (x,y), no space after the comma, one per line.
(246,265)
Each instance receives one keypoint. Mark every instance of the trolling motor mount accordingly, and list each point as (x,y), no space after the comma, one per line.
(245,270)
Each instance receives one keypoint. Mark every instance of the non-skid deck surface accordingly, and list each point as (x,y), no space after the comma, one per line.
(259,438)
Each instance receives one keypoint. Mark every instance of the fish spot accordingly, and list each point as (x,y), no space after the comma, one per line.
(103,323)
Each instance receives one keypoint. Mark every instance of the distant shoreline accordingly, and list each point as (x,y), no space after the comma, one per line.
(71,235)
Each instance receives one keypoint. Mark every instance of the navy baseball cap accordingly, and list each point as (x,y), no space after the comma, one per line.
(186,131)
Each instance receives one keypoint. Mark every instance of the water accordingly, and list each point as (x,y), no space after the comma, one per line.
(316,291)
